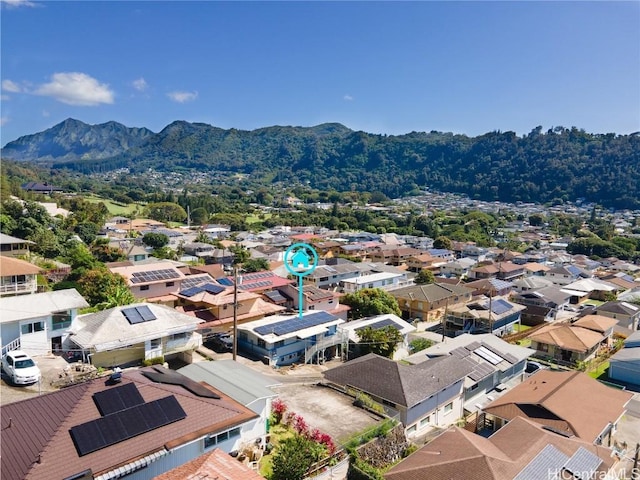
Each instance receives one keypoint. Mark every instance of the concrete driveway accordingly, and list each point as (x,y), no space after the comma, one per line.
(51,367)
(326,409)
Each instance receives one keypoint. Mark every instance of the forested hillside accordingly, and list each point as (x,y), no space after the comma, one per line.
(558,165)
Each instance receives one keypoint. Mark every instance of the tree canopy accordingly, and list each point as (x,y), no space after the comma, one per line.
(381,341)
(370,301)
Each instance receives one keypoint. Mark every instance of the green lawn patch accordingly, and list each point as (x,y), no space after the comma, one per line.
(116,208)
(278,433)
(521,328)
(601,372)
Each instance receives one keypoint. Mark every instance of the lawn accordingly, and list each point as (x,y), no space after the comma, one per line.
(255,219)
(600,373)
(521,328)
(278,433)
(116,208)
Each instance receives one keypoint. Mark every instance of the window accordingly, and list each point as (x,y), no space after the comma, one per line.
(179,336)
(32,327)
(425,421)
(169,284)
(144,287)
(448,408)
(243,335)
(412,429)
(279,344)
(262,343)
(156,343)
(543,347)
(60,320)
(474,387)
(212,440)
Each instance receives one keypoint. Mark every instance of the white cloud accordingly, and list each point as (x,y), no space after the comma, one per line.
(348,98)
(140,84)
(4,121)
(182,97)
(75,88)
(45,113)
(17,3)
(11,86)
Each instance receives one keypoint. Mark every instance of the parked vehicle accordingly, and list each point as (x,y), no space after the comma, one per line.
(533,367)
(220,342)
(20,368)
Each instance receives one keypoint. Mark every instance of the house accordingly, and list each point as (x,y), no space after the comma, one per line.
(127,335)
(256,282)
(152,421)
(329,276)
(417,263)
(586,288)
(18,277)
(496,363)
(421,396)
(490,287)
(624,365)
(154,282)
(382,280)
(566,274)
(564,401)
(377,322)
(394,255)
(551,297)
(566,343)
(521,450)
(626,314)
(532,283)
(38,187)
(13,246)
(313,298)
(286,339)
(214,304)
(459,268)
(535,269)
(507,271)
(428,302)
(598,323)
(199,249)
(38,323)
(212,465)
(495,315)
(244,385)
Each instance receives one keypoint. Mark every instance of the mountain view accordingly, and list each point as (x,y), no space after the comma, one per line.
(561,164)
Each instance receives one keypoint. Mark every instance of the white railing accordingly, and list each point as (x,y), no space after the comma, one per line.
(340,337)
(15,345)
(190,343)
(18,287)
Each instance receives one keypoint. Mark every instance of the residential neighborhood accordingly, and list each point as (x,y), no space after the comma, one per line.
(482,359)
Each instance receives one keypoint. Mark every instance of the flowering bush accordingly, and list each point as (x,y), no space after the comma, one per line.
(278,409)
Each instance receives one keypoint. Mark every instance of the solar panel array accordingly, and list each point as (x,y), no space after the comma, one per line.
(225,281)
(500,306)
(460,352)
(154,275)
(138,314)
(549,460)
(117,399)
(294,324)
(583,464)
(125,424)
(257,275)
(507,356)
(275,296)
(252,285)
(488,355)
(381,324)
(205,287)
(193,280)
(480,371)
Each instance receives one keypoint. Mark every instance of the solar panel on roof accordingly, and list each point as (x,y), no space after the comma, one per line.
(460,352)
(480,371)
(117,399)
(500,306)
(473,345)
(211,288)
(132,315)
(190,292)
(285,327)
(488,355)
(193,281)
(146,313)
(120,426)
(549,460)
(385,323)
(225,281)
(583,464)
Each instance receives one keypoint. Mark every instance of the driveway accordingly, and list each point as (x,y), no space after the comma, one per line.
(51,368)
(326,409)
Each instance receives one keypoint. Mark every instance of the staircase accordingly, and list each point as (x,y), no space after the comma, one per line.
(15,345)
(341,337)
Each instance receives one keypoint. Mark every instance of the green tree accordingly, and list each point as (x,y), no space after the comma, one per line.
(294,456)
(419,344)
(381,341)
(155,240)
(442,242)
(106,253)
(87,231)
(100,286)
(199,216)
(255,265)
(370,301)
(165,253)
(425,277)
(7,224)
(240,254)
(166,212)
(536,219)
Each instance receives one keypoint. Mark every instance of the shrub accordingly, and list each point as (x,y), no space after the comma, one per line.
(278,409)
(153,361)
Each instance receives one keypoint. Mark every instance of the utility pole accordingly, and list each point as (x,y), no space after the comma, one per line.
(235,312)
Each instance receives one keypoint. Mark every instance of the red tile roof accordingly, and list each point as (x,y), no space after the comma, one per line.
(36,443)
(213,465)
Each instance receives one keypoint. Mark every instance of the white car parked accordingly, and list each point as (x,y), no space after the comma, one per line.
(20,368)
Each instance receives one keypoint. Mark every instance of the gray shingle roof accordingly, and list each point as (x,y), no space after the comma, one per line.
(405,385)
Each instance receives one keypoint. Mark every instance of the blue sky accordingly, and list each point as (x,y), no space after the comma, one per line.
(381,67)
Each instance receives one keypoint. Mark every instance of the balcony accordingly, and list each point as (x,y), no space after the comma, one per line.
(18,288)
(190,342)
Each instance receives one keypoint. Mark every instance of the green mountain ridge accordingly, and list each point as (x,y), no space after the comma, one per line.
(559,165)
